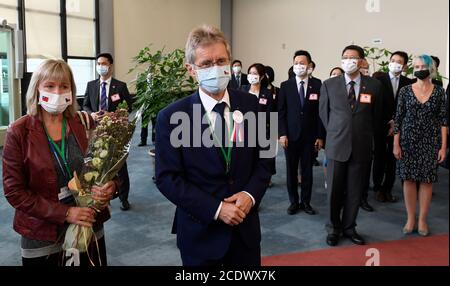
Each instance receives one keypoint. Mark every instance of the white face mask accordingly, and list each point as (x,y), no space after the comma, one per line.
(55,103)
(214,79)
(102,70)
(349,66)
(253,78)
(299,70)
(237,69)
(395,68)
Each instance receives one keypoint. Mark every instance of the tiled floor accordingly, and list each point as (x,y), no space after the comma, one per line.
(142,236)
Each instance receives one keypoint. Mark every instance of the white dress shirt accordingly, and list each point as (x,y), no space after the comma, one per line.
(108,83)
(357,86)
(395,80)
(305,84)
(208,103)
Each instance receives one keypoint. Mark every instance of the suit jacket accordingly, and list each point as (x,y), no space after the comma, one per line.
(295,121)
(234,84)
(350,133)
(389,99)
(92,95)
(264,105)
(194,179)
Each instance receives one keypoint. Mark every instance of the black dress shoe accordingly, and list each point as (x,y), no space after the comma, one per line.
(332,239)
(125,205)
(355,237)
(390,198)
(142,144)
(365,206)
(380,196)
(307,208)
(293,208)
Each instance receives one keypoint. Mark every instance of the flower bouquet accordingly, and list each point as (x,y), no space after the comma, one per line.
(107,152)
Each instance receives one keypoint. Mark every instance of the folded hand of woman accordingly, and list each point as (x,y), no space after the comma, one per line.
(105,193)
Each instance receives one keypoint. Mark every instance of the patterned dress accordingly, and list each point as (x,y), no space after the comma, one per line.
(420,126)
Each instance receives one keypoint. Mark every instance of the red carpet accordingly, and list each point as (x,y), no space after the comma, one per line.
(418,251)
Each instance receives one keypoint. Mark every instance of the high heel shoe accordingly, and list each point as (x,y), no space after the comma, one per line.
(423,232)
(407,231)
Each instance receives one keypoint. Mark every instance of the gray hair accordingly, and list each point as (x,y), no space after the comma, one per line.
(204,36)
(57,70)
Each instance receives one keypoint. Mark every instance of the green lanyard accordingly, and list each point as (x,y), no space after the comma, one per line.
(226,155)
(61,151)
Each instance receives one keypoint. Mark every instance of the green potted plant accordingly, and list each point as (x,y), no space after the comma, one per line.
(380,61)
(161,79)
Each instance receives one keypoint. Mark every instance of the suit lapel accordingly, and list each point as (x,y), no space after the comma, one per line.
(96,96)
(112,90)
(235,105)
(212,153)
(344,92)
(362,90)
(388,78)
(295,97)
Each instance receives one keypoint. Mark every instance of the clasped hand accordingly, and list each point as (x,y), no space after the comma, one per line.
(85,216)
(235,208)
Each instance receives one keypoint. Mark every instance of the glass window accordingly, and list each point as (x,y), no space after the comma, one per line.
(5,77)
(80,28)
(83,72)
(42,22)
(8,11)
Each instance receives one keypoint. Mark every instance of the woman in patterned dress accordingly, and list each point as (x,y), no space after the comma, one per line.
(420,140)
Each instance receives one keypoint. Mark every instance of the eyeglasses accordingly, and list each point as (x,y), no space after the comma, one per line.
(207,64)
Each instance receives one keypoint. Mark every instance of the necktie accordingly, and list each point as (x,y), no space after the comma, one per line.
(238,79)
(395,85)
(103,98)
(220,126)
(352,95)
(301,93)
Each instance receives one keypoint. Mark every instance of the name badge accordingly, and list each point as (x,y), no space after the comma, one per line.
(313,96)
(64,194)
(263,101)
(365,98)
(115,97)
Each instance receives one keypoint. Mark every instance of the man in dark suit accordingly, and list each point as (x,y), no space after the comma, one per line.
(384,160)
(300,130)
(217,190)
(104,95)
(238,79)
(350,109)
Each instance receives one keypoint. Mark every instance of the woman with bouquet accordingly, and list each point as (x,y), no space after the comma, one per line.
(42,151)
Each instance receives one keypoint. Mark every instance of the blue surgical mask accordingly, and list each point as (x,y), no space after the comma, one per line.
(102,70)
(214,79)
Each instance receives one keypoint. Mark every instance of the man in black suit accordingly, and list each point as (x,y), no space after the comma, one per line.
(351,110)
(238,78)
(384,160)
(104,95)
(217,189)
(300,130)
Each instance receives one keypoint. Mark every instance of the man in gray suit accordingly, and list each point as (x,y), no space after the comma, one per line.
(350,108)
